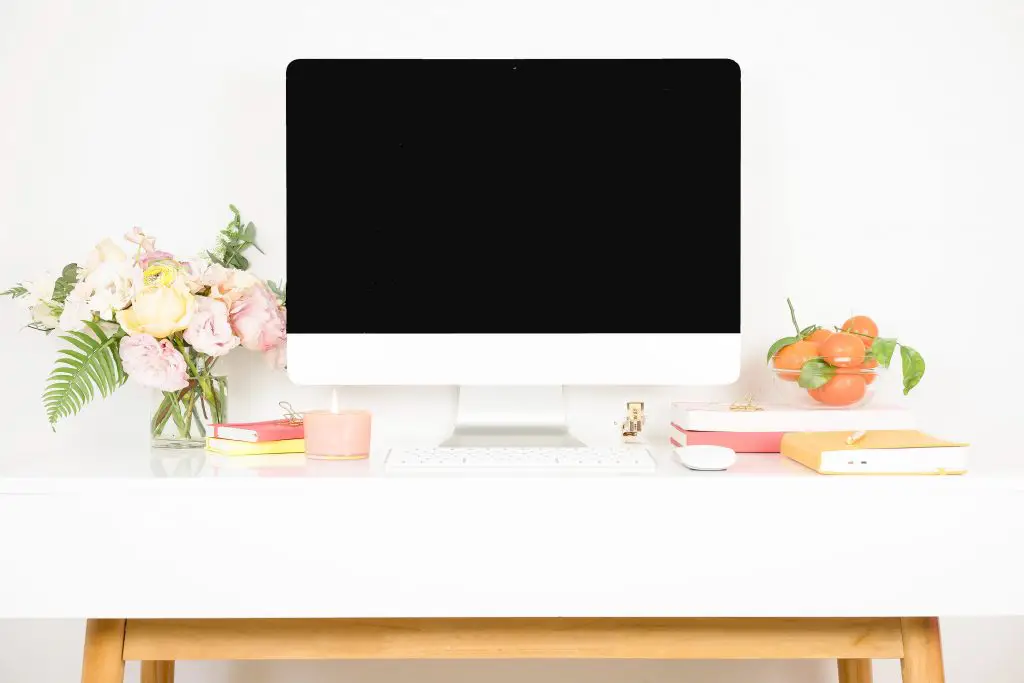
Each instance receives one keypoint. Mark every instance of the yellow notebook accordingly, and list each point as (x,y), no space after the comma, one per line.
(228,447)
(877,452)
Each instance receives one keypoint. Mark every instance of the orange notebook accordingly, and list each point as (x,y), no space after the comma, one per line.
(877,452)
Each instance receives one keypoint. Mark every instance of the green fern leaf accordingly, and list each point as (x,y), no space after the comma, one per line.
(92,366)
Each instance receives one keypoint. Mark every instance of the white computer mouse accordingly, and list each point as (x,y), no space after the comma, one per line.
(705,458)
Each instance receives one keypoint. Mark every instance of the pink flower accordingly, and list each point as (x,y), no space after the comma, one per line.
(152,256)
(257,319)
(277,357)
(153,363)
(148,252)
(136,236)
(209,331)
(227,284)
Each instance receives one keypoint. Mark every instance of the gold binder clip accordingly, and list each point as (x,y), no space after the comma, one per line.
(293,417)
(747,406)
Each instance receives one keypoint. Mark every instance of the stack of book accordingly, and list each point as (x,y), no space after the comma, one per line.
(257,438)
(761,431)
(833,441)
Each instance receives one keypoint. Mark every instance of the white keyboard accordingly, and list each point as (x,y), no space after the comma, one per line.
(520,460)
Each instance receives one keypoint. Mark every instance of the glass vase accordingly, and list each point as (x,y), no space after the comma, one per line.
(181,419)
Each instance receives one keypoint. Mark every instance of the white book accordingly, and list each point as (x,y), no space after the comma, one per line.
(720,417)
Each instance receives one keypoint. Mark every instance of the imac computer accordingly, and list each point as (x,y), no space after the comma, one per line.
(511,227)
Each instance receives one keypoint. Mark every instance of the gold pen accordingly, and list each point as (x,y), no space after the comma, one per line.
(855,437)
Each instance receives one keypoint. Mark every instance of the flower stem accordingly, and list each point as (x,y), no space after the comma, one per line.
(792,315)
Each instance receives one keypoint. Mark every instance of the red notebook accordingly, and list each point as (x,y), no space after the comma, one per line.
(256,432)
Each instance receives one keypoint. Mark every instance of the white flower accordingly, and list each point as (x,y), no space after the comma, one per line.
(39,290)
(112,285)
(42,313)
(81,292)
(106,303)
(39,301)
(103,253)
(75,312)
(76,308)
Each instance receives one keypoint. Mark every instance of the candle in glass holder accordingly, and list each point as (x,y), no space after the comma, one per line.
(337,434)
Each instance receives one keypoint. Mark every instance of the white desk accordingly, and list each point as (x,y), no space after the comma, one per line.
(316,539)
(121,533)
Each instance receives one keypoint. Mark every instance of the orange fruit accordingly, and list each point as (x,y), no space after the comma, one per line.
(870,363)
(791,358)
(842,390)
(843,350)
(863,371)
(819,335)
(863,327)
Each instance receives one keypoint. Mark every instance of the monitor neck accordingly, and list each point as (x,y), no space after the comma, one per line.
(511,416)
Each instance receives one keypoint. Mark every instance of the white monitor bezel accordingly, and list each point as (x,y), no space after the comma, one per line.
(655,359)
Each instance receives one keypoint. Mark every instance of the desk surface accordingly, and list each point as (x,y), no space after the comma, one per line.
(121,532)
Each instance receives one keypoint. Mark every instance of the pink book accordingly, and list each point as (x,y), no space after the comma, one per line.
(741,442)
(257,432)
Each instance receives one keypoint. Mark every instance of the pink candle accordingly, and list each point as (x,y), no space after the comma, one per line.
(337,434)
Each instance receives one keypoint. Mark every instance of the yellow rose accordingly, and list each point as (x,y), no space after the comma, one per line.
(159,310)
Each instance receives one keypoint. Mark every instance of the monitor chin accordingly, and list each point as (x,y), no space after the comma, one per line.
(637,359)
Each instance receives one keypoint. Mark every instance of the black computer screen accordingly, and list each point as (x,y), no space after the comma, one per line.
(513,196)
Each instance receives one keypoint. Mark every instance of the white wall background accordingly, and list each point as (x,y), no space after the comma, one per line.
(883,169)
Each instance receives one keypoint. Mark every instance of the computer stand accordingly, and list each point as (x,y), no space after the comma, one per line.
(510,417)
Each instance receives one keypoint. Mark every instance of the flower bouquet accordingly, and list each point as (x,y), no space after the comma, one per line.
(162,321)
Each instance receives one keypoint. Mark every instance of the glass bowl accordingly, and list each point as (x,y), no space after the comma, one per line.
(848,388)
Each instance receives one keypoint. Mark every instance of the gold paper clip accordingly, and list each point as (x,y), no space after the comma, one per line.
(293,417)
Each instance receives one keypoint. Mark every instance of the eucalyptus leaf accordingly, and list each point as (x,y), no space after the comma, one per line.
(278,290)
(815,373)
(250,236)
(63,285)
(236,222)
(913,368)
(233,241)
(779,345)
(882,349)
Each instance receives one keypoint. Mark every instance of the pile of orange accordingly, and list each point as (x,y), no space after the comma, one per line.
(844,354)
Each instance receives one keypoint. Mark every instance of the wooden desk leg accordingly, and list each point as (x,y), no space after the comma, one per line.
(922,651)
(855,671)
(157,672)
(103,660)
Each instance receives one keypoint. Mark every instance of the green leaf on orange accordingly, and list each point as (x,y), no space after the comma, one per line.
(815,373)
(882,349)
(779,345)
(913,368)
(808,331)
